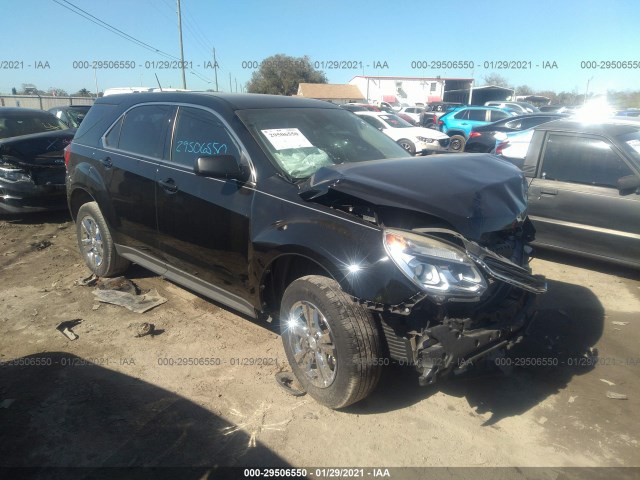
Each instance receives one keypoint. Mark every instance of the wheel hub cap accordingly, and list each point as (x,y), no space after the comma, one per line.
(310,339)
(91,240)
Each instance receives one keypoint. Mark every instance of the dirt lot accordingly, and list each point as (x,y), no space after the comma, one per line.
(107,398)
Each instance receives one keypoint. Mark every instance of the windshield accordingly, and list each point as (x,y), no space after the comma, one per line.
(76,115)
(395,121)
(301,140)
(17,125)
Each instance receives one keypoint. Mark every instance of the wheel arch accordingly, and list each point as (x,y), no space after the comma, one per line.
(282,271)
(77,198)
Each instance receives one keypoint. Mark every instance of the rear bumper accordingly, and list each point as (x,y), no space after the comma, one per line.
(26,197)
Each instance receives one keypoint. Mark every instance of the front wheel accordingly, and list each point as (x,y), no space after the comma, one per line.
(408,145)
(332,343)
(457,143)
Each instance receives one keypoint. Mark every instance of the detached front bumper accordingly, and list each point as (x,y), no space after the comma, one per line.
(449,346)
(437,146)
(26,197)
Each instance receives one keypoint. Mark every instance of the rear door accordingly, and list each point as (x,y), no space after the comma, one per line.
(133,148)
(204,222)
(574,202)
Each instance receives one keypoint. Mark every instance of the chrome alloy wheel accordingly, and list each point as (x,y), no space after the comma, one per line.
(311,341)
(91,240)
(407,146)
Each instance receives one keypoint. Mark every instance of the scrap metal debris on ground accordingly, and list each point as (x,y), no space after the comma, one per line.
(289,383)
(122,291)
(65,328)
(143,329)
(617,396)
(41,245)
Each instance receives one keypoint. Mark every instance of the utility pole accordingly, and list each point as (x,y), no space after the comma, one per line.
(587,91)
(230,86)
(236,80)
(215,68)
(95,77)
(184,79)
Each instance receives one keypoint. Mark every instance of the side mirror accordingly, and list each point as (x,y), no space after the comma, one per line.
(219,166)
(628,183)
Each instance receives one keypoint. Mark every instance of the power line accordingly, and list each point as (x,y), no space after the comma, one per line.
(101,23)
(111,28)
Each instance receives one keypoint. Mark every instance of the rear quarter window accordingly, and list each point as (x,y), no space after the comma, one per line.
(144,130)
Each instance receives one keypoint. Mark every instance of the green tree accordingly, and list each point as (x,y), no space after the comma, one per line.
(496,79)
(524,90)
(57,92)
(281,74)
(83,92)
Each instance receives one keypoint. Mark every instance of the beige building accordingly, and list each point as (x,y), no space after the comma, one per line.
(331,92)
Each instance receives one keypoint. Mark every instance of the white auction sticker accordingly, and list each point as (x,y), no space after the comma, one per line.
(284,138)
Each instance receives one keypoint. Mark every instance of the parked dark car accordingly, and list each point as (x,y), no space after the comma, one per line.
(360,107)
(432,112)
(31,160)
(631,112)
(584,187)
(299,210)
(483,139)
(71,115)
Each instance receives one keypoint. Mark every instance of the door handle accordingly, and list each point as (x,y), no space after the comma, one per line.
(106,162)
(168,185)
(549,191)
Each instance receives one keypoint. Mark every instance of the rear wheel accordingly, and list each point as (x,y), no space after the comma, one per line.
(96,244)
(457,143)
(332,343)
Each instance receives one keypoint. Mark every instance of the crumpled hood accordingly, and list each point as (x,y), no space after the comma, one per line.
(475,193)
(37,149)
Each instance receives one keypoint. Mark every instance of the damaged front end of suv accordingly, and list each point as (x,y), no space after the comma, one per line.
(456,227)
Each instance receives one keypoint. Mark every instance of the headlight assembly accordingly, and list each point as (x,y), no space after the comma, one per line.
(435,266)
(13,174)
(426,139)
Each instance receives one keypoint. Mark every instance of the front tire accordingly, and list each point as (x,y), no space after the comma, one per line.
(408,145)
(96,244)
(332,343)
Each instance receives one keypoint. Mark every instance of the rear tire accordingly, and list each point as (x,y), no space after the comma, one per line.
(96,244)
(408,145)
(332,343)
(457,143)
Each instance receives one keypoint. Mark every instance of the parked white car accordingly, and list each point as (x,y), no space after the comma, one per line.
(413,112)
(412,139)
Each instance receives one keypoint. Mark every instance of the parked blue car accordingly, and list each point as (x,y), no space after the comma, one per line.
(459,123)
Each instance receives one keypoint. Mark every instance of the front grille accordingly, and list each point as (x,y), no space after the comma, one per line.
(444,142)
(513,274)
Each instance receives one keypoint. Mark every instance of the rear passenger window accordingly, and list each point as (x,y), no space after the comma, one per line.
(582,160)
(144,130)
(463,115)
(477,115)
(198,134)
(497,115)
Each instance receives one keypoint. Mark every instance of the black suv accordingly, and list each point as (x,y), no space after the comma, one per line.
(297,209)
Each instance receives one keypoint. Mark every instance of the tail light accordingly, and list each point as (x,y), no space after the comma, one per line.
(67,155)
(501,146)
(474,134)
